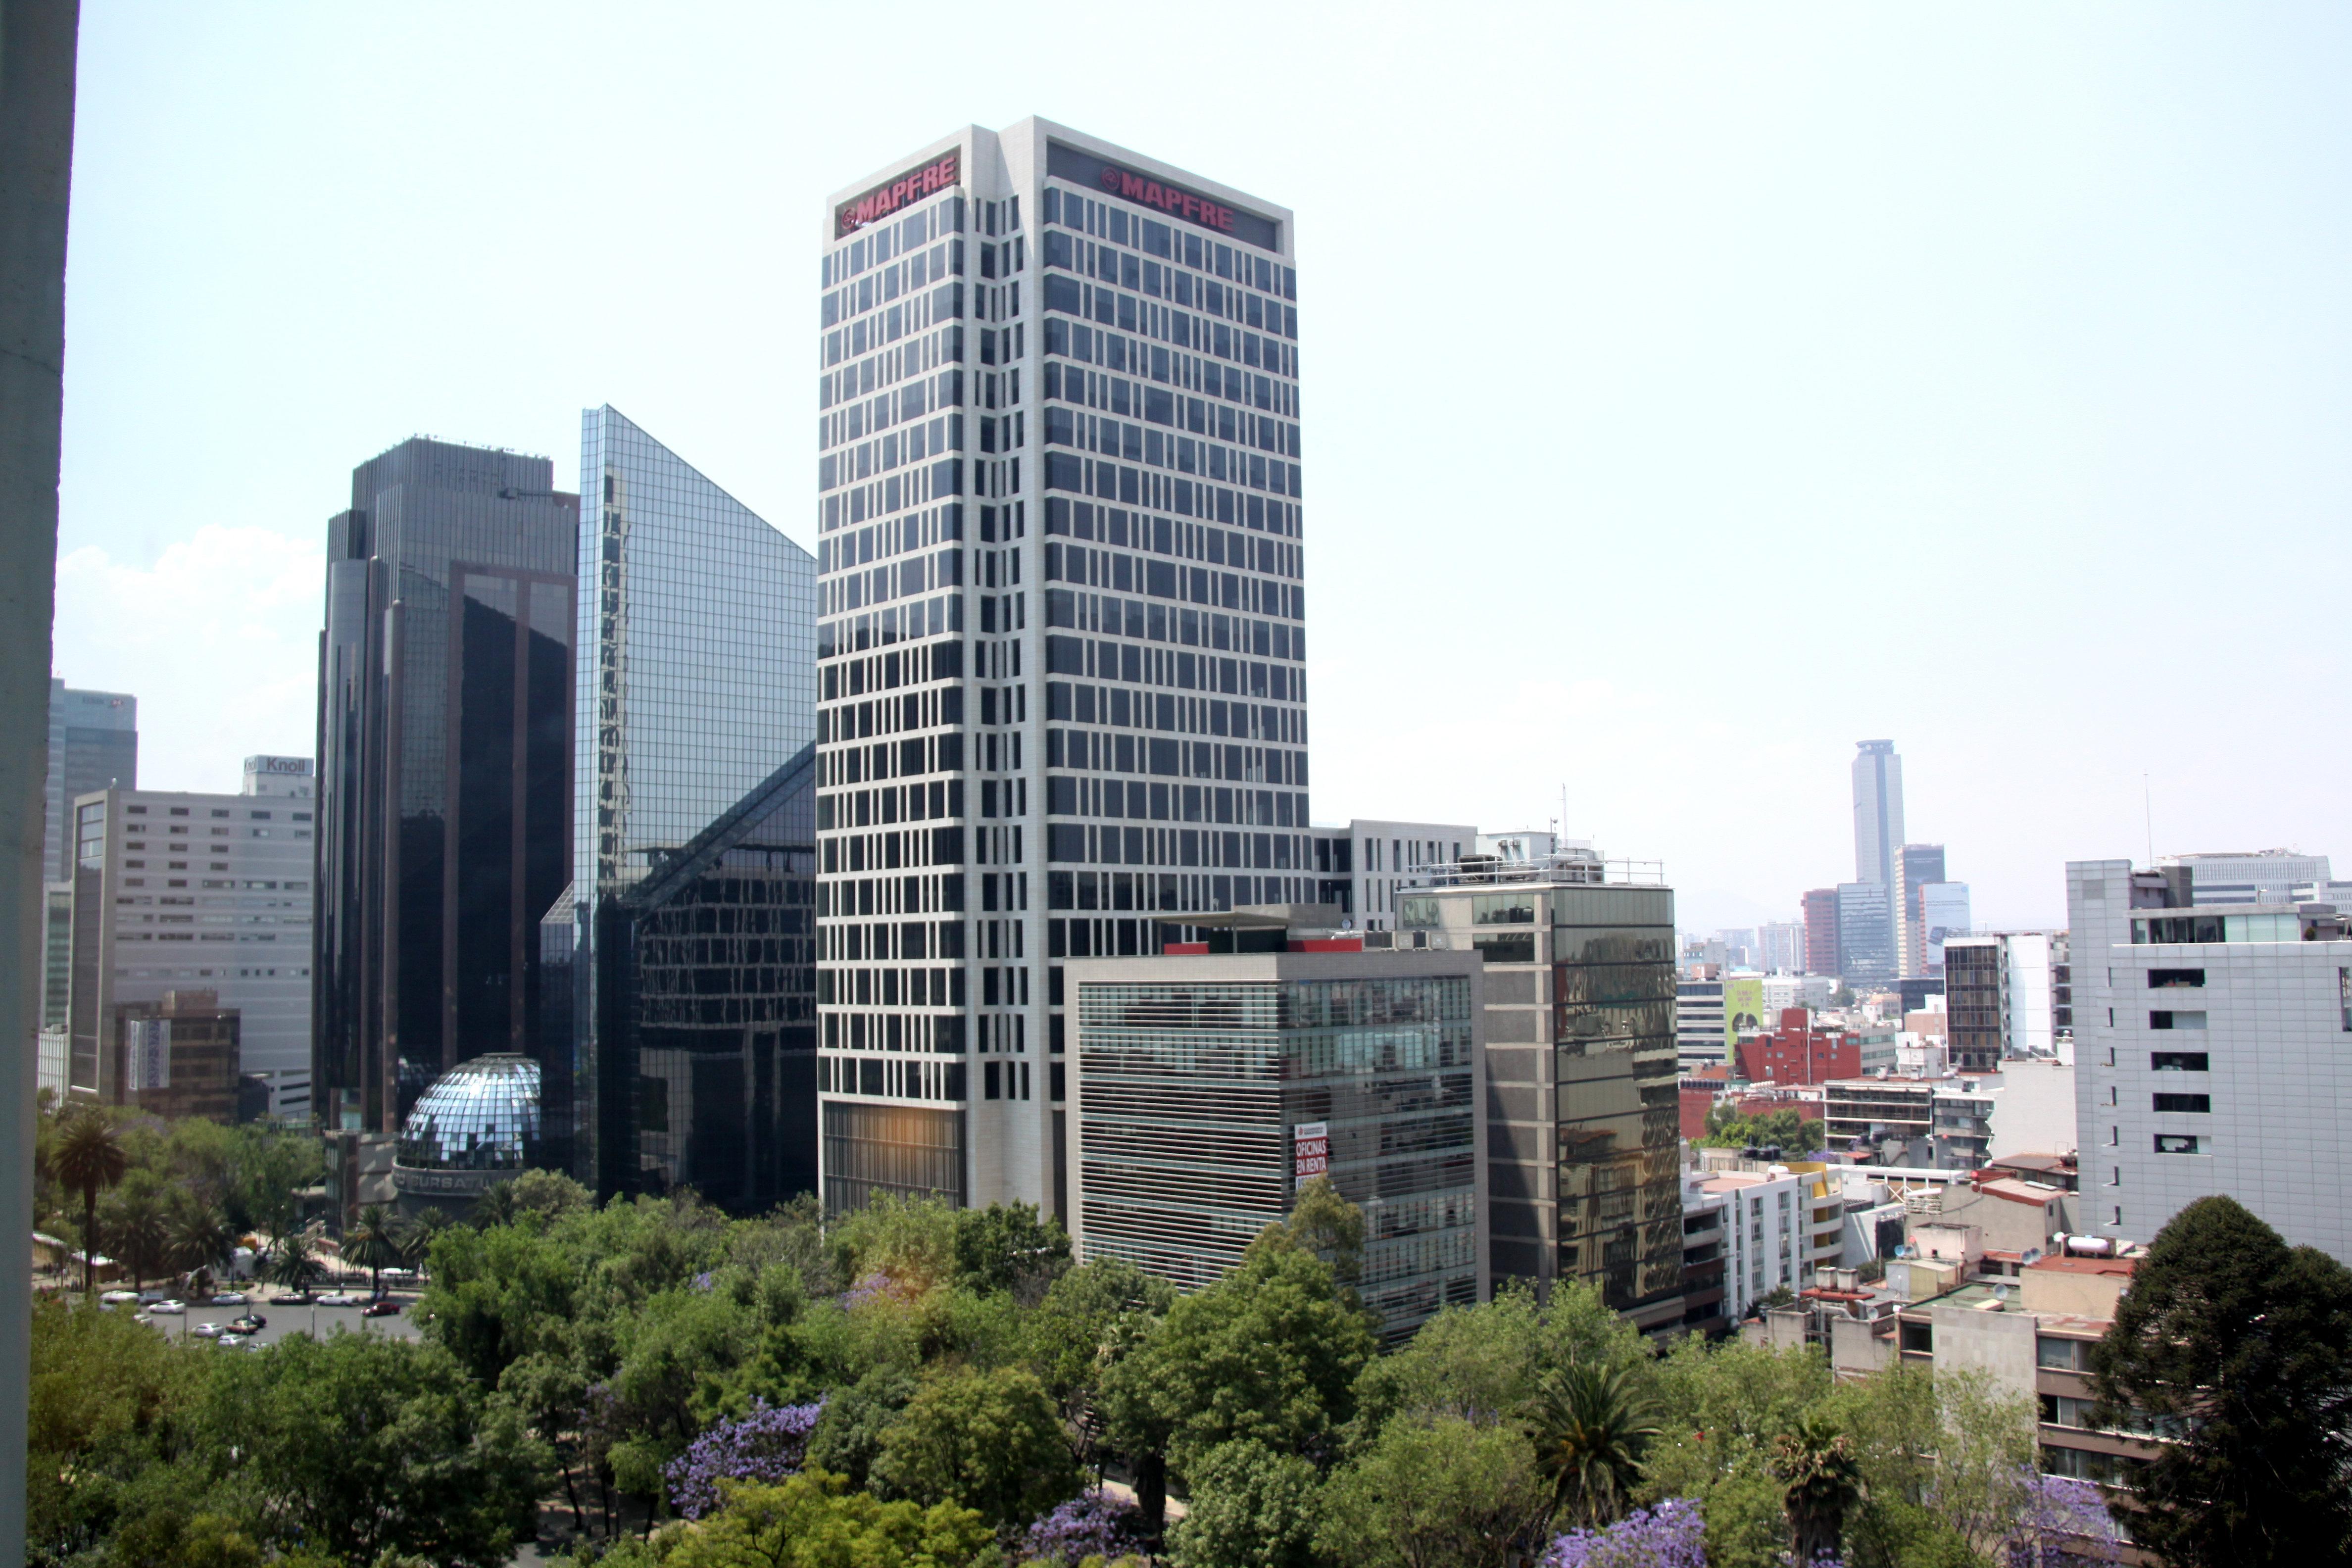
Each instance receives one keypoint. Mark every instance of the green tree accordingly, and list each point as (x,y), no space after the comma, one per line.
(1270,1353)
(1090,1319)
(1435,1494)
(1591,1423)
(1007,1247)
(138,1218)
(293,1262)
(848,1437)
(88,1158)
(373,1245)
(360,1445)
(1251,1507)
(984,1440)
(1820,1481)
(1329,1226)
(105,1395)
(1720,1408)
(2243,1345)
(1483,1364)
(815,1520)
(199,1235)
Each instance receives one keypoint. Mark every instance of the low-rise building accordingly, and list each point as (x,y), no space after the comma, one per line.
(1706,1259)
(1799,1050)
(180,1055)
(1208,1083)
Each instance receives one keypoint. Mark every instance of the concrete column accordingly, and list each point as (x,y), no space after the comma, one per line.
(37,110)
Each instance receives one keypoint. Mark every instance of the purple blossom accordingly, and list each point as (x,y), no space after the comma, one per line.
(702,1280)
(764,1445)
(2057,1517)
(1671,1535)
(872,1287)
(1095,1524)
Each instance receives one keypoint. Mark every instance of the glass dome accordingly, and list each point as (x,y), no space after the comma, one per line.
(480,1115)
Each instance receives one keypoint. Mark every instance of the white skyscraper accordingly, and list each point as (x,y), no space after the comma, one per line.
(1060,650)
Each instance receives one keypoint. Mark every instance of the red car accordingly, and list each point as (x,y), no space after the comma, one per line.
(381,1308)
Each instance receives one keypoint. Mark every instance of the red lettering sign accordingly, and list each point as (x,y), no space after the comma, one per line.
(940,174)
(1310,1149)
(1168,199)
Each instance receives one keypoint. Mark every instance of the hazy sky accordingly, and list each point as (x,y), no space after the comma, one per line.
(1690,390)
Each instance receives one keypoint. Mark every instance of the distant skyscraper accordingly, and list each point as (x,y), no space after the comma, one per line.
(1915,866)
(1062,681)
(1866,926)
(1877,811)
(1821,906)
(1944,915)
(445,765)
(1782,947)
(694,853)
(93,745)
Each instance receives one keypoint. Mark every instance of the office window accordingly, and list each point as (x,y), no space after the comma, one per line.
(2191,1104)
(2176,1144)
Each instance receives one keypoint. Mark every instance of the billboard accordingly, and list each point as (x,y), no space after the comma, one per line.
(1310,1150)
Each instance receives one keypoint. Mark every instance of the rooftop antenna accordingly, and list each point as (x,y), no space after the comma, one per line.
(2147,804)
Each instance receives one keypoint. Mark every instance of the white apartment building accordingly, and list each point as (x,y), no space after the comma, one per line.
(1779,1224)
(181,891)
(2212,1054)
(1784,990)
(1781,947)
(1364,866)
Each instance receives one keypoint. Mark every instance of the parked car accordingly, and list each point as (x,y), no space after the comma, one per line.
(381,1308)
(205,1331)
(229,1299)
(293,1299)
(167,1309)
(118,1298)
(340,1299)
(249,1323)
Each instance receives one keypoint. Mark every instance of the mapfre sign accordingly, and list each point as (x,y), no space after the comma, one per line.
(941,173)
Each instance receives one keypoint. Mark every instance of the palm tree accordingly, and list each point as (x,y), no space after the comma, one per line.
(1591,1425)
(1820,1480)
(373,1245)
(141,1234)
(292,1263)
(88,1158)
(200,1237)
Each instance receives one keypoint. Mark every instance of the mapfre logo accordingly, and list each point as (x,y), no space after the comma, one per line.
(1169,199)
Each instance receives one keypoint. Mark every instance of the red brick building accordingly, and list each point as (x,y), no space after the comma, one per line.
(1798,1052)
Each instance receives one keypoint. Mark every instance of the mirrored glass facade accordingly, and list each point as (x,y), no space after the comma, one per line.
(692,941)
(1061,636)
(444,772)
(1583,1134)
(481,1115)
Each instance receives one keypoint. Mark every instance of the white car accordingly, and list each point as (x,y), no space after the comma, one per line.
(118,1298)
(167,1309)
(342,1299)
(229,1299)
(205,1331)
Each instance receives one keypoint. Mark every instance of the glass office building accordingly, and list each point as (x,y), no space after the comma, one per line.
(1210,1088)
(1060,638)
(1583,1131)
(444,772)
(692,940)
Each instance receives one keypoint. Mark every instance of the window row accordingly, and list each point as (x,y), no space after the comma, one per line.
(1134,618)
(890,407)
(1202,253)
(920,270)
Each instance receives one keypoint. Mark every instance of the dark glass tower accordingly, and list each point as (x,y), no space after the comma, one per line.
(693,940)
(444,772)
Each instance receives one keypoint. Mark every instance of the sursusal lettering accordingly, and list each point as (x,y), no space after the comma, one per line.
(1166,198)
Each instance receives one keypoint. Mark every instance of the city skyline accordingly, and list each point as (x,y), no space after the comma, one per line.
(2038,445)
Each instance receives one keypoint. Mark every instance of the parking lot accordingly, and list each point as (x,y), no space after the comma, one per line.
(283,1319)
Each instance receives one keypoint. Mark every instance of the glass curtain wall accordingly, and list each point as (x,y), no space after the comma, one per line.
(692,1025)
